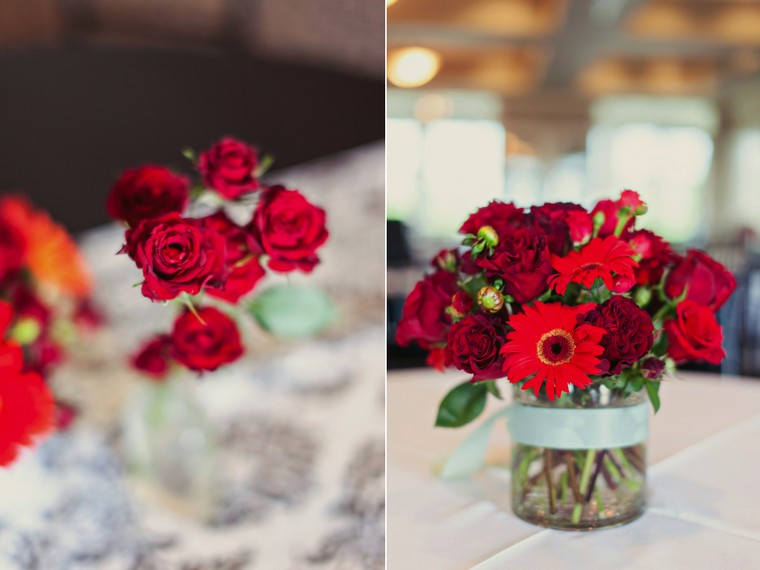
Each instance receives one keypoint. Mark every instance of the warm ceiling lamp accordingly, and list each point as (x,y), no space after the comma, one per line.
(412,66)
(390,2)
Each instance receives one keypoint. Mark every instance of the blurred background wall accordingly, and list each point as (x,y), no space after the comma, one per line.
(537,101)
(89,87)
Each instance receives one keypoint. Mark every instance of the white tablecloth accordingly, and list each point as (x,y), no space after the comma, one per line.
(703,488)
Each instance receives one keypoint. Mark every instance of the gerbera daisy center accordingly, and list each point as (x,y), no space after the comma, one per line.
(555,347)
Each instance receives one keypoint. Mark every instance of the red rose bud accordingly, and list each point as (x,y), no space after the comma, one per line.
(154,357)
(446,259)
(488,236)
(289,229)
(652,367)
(705,281)
(147,192)
(461,304)
(632,202)
(694,334)
(205,341)
(607,219)
(228,167)
(490,299)
(179,256)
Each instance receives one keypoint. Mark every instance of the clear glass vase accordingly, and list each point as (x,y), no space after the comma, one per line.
(170,448)
(578,489)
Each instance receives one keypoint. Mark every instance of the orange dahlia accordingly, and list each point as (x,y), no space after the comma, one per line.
(52,256)
(548,345)
(598,259)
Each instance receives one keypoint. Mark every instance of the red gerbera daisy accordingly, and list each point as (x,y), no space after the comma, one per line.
(26,405)
(599,259)
(547,342)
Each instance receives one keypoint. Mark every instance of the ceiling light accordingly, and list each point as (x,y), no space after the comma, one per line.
(412,66)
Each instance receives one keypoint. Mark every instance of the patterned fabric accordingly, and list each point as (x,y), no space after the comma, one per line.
(299,429)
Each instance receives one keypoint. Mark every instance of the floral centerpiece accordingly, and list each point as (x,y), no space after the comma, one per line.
(583,314)
(203,246)
(44,304)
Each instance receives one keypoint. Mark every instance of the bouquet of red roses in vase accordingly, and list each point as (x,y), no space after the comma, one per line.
(583,314)
(203,247)
(44,305)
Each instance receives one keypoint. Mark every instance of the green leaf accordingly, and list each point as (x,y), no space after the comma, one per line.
(660,347)
(292,311)
(189,154)
(653,389)
(462,405)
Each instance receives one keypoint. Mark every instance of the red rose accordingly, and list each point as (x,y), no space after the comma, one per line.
(553,220)
(694,334)
(631,200)
(474,345)
(580,225)
(154,357)
(228,167)
(424,318)
(289,229)
(652,367)
(243,267)
(500,216)
(147,192)
(522,261)
(706,281)
(656,256)
(206,341)
(179,256)
(629,333)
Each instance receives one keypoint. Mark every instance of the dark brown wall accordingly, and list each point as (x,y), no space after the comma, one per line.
(71,119)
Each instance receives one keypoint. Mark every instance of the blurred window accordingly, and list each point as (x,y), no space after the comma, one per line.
(668,165)
(440,171)
(744,201)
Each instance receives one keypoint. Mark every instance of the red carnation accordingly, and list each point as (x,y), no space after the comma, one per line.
(694,334)
(580,225)
(599,259)
(424,318)
(243,267)
(522,260)
(228,167)
(179,256)
(289,229)
(548,346)
(706,281)
(147,192)
(629,333)
(474,345)
(154,357)
(205,341)
(500,216)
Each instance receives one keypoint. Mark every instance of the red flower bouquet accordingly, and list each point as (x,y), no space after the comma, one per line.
(43,304)
(585,312)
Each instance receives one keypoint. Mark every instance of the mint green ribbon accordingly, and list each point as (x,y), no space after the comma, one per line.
(553,428)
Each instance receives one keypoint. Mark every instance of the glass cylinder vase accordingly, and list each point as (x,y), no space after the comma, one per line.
(169,446)
(579,462)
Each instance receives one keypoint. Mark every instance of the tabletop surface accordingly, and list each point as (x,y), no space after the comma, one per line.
(703,493)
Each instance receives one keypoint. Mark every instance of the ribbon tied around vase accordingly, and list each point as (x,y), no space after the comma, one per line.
(553,428)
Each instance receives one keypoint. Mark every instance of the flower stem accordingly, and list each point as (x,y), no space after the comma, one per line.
(585,476)
(570,461)
(549,482)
